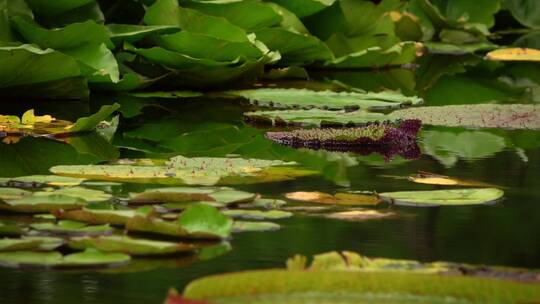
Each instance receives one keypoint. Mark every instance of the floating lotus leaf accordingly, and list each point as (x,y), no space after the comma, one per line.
(515,116)
(454,197)
(315,117)
(43,203)
(436,179)
(37,181)
(306,99)
(191,171)
(348,277)
(266,203)
(244,226)
(90,195)
(129,245)
(97,216)
(68,227)
(13,193)
(347,199)
(514,54)
(198,221)
(33,125)
(11,228)
(30,243)
(221,195)
(88,258)
(359,215)
(388,139)
(257,214)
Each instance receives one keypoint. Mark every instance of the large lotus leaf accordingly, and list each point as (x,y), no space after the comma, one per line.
(257,214)
(71,36)
(304,8)
(30,243)
(47,203)
(480,115)
(347,199)
(34,181)
(48,8)
(514,54)
(89,195)
(399,54)
(250,15)
(40,66)
(88,258)
(303,98)
(527,12)
(97,62)
(71,228)
(97,216)
(167,12)
(454,197)
(132,33)
(129,245)
(315,117)
(295,48)
(191,171)
(245,226)
(280,286)
(222,195)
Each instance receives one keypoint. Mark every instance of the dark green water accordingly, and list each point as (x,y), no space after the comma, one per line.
(503,234)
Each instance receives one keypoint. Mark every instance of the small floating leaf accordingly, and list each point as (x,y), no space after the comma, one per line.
(359,215)
(90,195)
(93,258)
(221,195)
(45,203)
(257,214)
(97,216)
(306,99)
(436,179)
(244,226)
(13,193)
(72,228)
(457,197)
(36,181)
(129,245)
(348,199)
(30,243)
(205,220)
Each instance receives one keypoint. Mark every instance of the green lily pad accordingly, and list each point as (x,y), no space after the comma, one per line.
(90,195)
(266,203)
(257,214)
(68,227)
(34,181)
(11,228)
(45,203)
(88,258)
(515,116)
(205,171)
(13,193)
(223,196)
(347,199)
(453,197)
(30,243)
(315,118)
(198,221)
(97,216)
(129,245)
(306,99)
(245,226)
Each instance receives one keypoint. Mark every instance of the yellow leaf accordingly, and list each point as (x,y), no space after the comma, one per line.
(29,118)
(350,199)
(514,54)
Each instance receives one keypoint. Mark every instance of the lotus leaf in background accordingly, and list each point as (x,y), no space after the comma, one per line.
(315,118)
(346,199)
(257,214)
(71,228)
(306,99)
(245,226)
(222,196)
(454,197)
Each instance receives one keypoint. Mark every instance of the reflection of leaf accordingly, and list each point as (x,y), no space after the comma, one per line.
(452,197)
(447,147)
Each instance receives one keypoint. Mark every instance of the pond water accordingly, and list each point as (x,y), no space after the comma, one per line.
(502,234)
